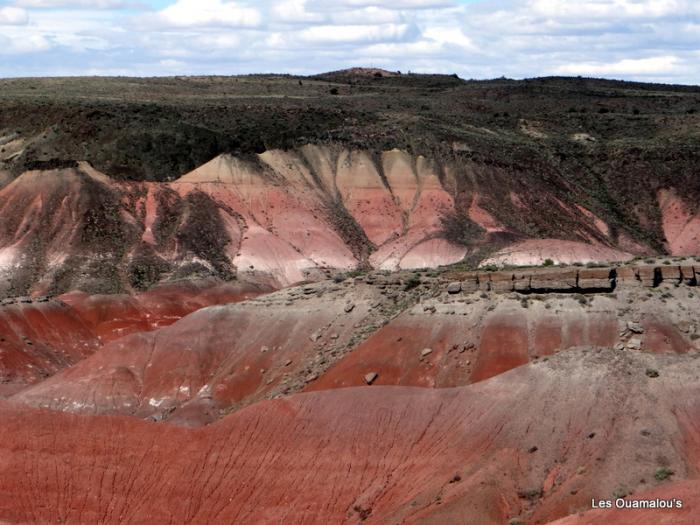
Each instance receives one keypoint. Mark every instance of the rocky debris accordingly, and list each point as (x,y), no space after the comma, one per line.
(426,352)
(686,327)
(349,308)
(454,288)
(371,377)
(315,336)
(7,301)
(635,327)
(313,376)
(470,284)
(634,344)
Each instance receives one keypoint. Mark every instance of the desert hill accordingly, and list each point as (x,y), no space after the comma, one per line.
(364,296)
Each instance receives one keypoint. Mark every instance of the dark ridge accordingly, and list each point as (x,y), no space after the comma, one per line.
(52,164)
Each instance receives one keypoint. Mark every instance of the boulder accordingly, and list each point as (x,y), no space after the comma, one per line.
(371,377)
(635,327)
(454,288)
(634,344)
(470,284)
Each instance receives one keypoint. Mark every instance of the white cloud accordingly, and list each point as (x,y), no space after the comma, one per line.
(354,33)
(396,4)
(13,16)
(653,66)
(194,13)
(367,15)
(295,11)
(633,39)
(22,46)
(449,36)
(91,4)
(611,8)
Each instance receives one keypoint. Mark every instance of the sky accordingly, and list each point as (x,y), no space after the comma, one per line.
(647,40)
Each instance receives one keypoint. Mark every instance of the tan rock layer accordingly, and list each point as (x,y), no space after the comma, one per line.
(575,280)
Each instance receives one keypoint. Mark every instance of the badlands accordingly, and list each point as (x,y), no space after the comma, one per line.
(359,297)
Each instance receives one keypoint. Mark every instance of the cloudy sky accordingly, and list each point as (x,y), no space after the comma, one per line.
(654,40)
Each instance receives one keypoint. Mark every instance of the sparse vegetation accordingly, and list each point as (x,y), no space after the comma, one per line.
(591,264)
(412,282)
(530,494)
(621,492)
(458,228)
(663,473)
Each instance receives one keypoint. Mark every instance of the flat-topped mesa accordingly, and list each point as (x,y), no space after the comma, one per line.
(572,280)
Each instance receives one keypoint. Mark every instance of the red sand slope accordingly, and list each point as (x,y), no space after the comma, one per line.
(519,445)
(470,343)
(221,358)
(40,338)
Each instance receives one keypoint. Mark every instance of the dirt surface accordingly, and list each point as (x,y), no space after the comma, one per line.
(41,336)
(372,454)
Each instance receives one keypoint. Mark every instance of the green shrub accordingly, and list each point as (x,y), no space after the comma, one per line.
(663,473)
(411,283)
(458,228)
